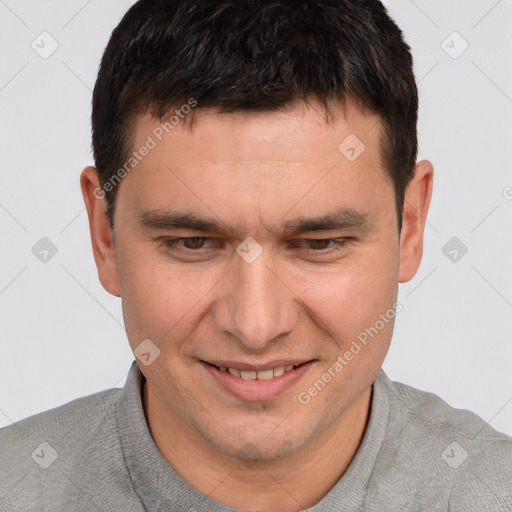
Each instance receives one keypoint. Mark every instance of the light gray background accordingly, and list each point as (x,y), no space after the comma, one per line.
(62,335)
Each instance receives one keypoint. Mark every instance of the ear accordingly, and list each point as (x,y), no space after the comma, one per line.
(417,201)
(101,232)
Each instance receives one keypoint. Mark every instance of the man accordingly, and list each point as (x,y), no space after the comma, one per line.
(255,203)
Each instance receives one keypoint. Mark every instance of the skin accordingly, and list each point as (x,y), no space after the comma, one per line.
(252,172)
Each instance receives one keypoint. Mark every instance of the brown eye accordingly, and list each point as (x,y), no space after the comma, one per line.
(190,245)
(195,242)
(319,244)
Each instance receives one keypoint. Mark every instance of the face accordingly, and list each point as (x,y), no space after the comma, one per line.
(254,255)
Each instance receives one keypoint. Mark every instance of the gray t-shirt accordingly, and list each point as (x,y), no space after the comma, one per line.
(96,454)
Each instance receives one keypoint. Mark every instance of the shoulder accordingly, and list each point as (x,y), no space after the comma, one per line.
(81,415)
(427,411)
(453,451)
(73,449)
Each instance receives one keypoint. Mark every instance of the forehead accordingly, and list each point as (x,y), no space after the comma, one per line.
(260,165)
(298,132)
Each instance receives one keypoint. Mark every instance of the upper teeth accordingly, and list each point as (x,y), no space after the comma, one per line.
(261,375)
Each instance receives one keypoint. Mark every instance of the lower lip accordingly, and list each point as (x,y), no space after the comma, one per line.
(257,390)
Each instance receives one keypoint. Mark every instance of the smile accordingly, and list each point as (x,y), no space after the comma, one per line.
(267,374)
(256,383)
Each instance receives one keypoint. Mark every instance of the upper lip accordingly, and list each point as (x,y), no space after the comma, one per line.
(252,367)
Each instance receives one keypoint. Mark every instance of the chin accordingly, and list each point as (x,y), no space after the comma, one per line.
(259,446)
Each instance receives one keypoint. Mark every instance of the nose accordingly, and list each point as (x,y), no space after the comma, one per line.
(258,307)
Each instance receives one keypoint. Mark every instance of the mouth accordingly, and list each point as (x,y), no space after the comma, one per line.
(257,382)
(265,374)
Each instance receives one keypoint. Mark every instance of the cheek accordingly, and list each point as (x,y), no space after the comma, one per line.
(154,297)
(351,297)
(161,300)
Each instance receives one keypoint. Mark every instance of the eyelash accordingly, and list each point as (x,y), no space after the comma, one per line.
(171,243)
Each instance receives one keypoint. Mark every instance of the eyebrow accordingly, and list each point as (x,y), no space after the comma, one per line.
(341,219)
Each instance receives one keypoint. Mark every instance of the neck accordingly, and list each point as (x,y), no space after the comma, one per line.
(289,484)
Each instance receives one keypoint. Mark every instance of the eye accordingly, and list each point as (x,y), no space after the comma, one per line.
(193,242)
(198,245)
(322,244)
(190,243)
